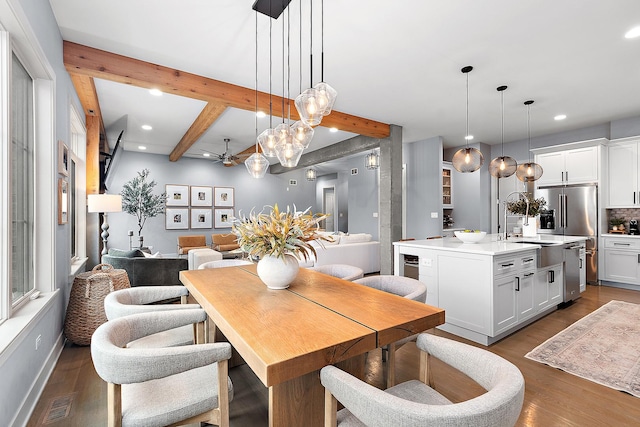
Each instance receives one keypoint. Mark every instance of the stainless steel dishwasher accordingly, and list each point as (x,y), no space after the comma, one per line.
(572,270)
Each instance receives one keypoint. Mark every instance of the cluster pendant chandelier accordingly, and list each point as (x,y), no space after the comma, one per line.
(502,166)
(286,141)
(529,171)
(467,159)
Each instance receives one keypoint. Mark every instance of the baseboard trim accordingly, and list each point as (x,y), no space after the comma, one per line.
(31,400)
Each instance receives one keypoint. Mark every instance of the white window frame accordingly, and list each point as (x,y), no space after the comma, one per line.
(78,149)
(16,38)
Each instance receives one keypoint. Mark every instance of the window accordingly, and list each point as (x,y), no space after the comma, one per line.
(21,182)
(77,185)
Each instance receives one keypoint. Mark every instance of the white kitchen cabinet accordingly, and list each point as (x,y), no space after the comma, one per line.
(548,287)
(513,290)
(624,180)
(574,166)
(622,259)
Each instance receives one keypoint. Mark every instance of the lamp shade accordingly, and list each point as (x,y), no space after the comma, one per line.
(308,108)
(502,167)
(467,160)
(372,161)
(288,151)
(268,140)
(257,165)
(104,203)
(311,174)
(528,172)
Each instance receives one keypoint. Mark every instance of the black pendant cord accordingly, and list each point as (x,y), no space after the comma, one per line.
(256,83)
(467,70)
(283,71)
(270,70)
(501,89)
(528,104)
(288,67)
(300,47)
(322,42)
(311,44)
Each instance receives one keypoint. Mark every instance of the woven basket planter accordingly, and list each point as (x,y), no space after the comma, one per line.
(85,311)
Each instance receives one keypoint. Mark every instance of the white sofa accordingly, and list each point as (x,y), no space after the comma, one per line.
(352,249)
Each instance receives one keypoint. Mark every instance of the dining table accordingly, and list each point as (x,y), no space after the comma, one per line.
(286,336)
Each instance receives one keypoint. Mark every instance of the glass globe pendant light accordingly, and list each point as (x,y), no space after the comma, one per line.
(311,174)
(467,159)
(257,164)
(529,171)
(502,166)
(302,132)
(289,151)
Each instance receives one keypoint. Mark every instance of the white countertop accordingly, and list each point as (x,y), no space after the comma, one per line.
(490,245)
(624,236)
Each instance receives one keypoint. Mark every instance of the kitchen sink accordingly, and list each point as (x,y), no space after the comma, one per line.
(550,253)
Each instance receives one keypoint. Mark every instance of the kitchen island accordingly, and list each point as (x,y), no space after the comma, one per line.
(488,289)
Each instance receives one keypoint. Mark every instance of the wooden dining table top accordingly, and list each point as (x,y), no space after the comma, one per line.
(319,320)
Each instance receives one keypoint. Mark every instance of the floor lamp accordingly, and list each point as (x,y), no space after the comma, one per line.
(104,203)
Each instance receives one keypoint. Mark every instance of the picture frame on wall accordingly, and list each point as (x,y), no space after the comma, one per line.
(63,158)
(177,195)
(177,219)
(223,197)
(223,218)
(201,196)
(201,218)
(63,201)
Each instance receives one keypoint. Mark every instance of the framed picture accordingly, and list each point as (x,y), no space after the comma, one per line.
(201,218)
(223,218)
(177,195)
(63,159)
(177,219)
(223,196)
(63,201)
(201,196)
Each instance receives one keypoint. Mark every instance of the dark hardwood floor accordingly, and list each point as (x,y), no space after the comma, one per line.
(75,395)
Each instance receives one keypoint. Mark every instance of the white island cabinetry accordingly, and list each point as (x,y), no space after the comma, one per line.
(489,289)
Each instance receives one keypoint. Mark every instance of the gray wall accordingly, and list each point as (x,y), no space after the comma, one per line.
(250,193)
(24,370)
(363,198)
(423,161)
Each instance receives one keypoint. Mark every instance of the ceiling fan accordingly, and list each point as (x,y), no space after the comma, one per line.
(227,158)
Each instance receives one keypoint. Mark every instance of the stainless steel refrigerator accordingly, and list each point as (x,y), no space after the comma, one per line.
(572,210)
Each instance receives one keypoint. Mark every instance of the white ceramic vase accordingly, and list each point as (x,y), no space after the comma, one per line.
(530,230)
(278,273)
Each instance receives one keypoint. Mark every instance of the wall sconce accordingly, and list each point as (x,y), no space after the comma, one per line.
(311,174)
(372,161)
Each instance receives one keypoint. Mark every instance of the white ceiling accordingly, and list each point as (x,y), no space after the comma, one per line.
(394,62)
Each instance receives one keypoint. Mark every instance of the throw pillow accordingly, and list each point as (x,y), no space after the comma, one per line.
(135,253)
(355,238)
(156,255)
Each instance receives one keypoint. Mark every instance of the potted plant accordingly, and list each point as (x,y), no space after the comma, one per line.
(138,200)
(529,208)
(617,223)
(279,239)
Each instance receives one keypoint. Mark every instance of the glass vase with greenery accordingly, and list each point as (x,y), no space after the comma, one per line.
(519,207)
(138,200)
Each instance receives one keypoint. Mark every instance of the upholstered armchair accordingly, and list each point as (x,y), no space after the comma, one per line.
(145,299)
(342,271)
(416,403)
(161,386)
(224,242)
(186,243)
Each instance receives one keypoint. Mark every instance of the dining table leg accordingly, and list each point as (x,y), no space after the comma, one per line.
(300,401)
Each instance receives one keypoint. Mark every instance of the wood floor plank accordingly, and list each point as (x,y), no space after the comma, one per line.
(552,397)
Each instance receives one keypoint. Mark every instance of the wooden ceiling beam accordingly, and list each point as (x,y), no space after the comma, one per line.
(205,119)
(87,61)
(86,90)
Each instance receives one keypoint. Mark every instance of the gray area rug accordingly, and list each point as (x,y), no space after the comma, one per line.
(603,347)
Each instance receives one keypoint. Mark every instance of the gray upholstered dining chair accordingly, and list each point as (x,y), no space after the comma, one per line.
(161,386)
(416,403)
(402,286)
(224,263)
(141,299)
(343,271)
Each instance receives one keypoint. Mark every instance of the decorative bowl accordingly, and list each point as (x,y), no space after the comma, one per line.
(470,236)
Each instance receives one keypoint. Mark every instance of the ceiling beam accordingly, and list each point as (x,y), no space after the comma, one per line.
(86,90)
(205,119)
(350,146)
(84,60)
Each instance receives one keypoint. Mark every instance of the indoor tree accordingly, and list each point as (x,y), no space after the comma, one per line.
(138,200)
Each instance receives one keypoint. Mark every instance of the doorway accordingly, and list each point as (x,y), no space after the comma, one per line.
(329,207)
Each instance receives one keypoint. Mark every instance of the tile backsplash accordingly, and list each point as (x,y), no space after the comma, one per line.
(626,214)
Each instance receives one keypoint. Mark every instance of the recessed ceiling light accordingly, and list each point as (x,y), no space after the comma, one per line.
(141,147)
(146,127)
(206,154)
(560,117)
(333,130)
(155,92)
(632,33)
(261,114)
(468,137)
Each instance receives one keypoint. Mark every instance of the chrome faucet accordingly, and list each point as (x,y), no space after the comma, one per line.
(526,217)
